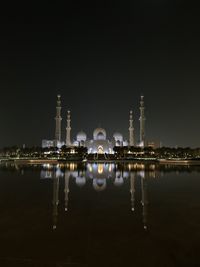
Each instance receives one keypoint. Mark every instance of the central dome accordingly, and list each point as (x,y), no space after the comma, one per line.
(99,134)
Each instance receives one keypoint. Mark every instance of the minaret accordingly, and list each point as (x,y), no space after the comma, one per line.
(142,122)
(55,199)
(144,201)
(132,190)
(58,120)
(68,129)
(66,191)
(131,130)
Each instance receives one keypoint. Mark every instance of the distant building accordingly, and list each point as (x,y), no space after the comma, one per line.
(47,143)
(153,144)
(52,143)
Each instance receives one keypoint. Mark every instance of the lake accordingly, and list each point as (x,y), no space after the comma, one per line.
(105,214)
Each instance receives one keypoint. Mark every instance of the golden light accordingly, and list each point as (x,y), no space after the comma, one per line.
(100,168)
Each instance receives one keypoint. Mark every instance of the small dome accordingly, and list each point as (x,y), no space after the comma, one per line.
(81,136)
(117,143)
(125,143)
(118,137)
(99,134)
(75,143)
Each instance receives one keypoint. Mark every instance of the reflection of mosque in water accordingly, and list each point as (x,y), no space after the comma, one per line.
(99,174)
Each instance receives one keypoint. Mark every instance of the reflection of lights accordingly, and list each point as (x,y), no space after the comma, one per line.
(80,180)
(47,166)
(141,174)
(142,166)
(152,166)
(90,167)
(110,167)
(99,184)
(118,181)
(152,174)
(59,173)
(136,166)
(100,168)
(125,174)
(129,167)
(71,166)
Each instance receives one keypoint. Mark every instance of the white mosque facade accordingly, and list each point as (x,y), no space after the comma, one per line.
(100,143)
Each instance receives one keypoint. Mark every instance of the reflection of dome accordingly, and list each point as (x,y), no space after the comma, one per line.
(81,136)
(99,134)
(99,184)
(118,181)
(125,174)
(80,181)
(118,137)
(59,173)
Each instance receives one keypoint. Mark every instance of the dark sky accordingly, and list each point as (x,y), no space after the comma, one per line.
(101,58)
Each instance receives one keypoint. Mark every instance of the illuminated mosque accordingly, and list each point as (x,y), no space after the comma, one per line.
(100,144)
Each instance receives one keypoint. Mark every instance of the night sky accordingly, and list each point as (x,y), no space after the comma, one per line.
(101,58)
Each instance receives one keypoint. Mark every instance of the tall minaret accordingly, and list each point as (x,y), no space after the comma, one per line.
(58,120)
(68,129)
(131,130)
(142,122)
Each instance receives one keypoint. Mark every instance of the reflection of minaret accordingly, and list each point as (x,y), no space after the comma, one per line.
(142,122)
(144,201)
(68,129)
(58,120)
(132,190)
(55,200)
(67,174)
(131,129)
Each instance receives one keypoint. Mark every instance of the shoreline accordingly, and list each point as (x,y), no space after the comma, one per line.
(140,160)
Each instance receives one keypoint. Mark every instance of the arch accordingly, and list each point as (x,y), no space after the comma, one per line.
(100,150)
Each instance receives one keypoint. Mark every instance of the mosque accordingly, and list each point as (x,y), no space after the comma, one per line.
(100,144)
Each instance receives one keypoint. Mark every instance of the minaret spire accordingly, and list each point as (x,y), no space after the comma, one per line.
(68,129)
(142,122)
(131,130)
(58,120)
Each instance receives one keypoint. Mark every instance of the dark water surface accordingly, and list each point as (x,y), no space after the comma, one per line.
(99,215)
